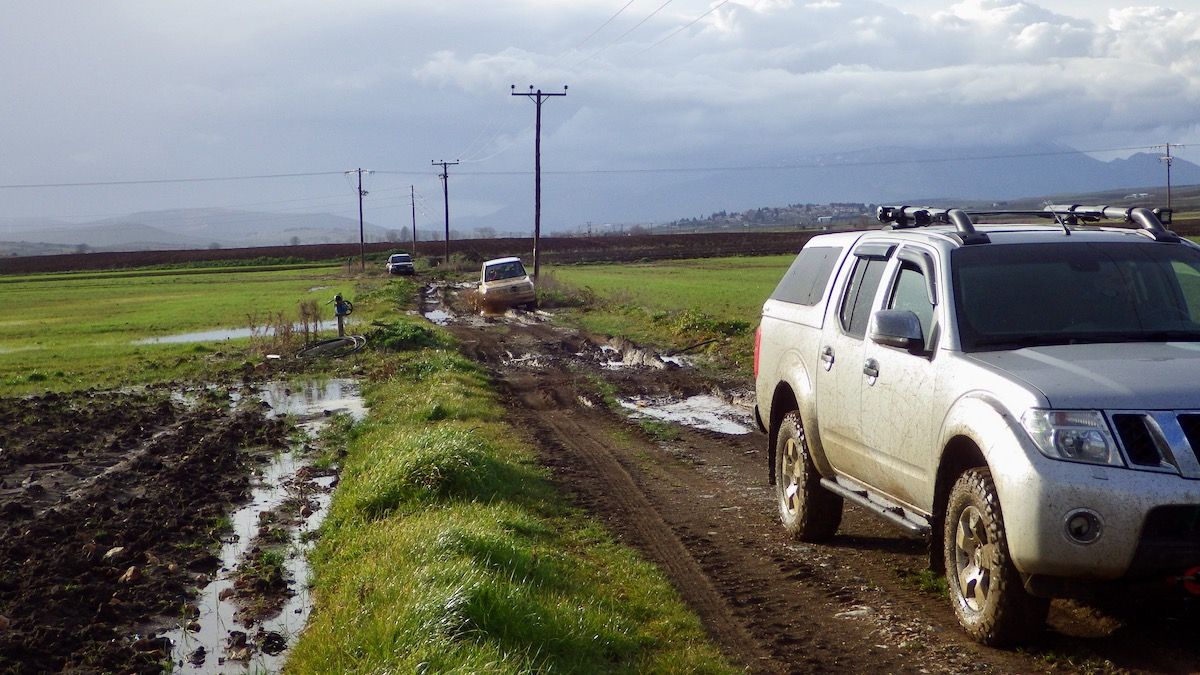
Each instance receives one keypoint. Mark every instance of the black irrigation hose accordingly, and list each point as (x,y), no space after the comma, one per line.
(334,347)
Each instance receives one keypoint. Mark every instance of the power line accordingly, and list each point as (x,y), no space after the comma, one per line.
(690,169)
(160,181)
(813,165)
(617,39)
(686,26)
(601,27)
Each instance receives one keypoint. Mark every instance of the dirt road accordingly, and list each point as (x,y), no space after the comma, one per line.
(697,504)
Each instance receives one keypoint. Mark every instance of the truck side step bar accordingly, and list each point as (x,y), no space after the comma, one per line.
(892,514)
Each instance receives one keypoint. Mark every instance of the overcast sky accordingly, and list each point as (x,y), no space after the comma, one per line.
(136,90)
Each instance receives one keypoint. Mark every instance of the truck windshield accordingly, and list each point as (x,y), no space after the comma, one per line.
(1009,296)
(501,271)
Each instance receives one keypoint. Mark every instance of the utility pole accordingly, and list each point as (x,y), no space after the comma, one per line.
(445,176)
(412,195)
(537,97)
(1168,159)
(362,241)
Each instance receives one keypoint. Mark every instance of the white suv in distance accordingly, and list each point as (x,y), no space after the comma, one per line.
(503,283)
(1027,396)
(400,263)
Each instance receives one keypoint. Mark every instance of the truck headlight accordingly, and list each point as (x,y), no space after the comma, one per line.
(1073,435)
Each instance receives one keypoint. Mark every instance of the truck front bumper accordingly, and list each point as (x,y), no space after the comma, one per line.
(1148,522)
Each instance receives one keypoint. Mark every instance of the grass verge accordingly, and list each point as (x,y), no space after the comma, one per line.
(675,303)
(446,549)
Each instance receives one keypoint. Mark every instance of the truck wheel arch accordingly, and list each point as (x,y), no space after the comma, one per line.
(960,455)
(783,401)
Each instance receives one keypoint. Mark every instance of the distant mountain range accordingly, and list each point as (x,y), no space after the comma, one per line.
(184,228)
(905,175)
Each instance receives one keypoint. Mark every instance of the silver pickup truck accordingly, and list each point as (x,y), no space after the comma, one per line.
(1027,396)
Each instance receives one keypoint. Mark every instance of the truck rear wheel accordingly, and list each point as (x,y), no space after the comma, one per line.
(985,589)
(808,511)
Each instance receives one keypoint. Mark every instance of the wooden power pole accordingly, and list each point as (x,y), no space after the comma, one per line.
(362,241)
(412,195)
(445,176)
(538,97)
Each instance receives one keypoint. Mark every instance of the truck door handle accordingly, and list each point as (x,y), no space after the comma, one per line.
(871,368)
(827,357)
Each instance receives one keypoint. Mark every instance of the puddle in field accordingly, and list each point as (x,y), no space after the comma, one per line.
(627,355)
(226,334)
(702,412)
(215,641)
(439,316)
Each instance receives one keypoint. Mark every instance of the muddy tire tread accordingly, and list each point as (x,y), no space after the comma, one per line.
(820,511)
(1013,617)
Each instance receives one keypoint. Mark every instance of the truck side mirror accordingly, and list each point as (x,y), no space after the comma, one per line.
(899,328)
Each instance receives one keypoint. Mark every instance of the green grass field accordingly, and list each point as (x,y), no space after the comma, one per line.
(680,302)
(69,331)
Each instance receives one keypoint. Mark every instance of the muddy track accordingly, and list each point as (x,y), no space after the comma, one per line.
(699,507)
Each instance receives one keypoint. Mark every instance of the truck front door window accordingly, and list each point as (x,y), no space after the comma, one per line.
(856,305)
(911,293)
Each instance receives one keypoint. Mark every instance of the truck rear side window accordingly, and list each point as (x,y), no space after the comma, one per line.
(805,281)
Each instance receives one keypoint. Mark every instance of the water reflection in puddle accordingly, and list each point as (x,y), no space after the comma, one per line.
(438,316)
(702,412)
(226,334)
(310,404)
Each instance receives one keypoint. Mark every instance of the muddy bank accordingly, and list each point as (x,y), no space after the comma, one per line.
(112,504)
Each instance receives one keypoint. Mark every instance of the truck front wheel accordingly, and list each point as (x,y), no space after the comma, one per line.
(808,511)
(985,588)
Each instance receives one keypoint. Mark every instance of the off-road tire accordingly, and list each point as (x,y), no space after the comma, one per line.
(985,589)
(808,511)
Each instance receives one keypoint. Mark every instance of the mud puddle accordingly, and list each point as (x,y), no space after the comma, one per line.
(227,334)
(252,610)
(439,298)
(706,412)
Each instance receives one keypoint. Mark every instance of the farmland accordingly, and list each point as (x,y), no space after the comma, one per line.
(506,505)
(116,500)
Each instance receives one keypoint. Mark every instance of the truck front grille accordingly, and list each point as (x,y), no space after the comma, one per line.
(1160,440)
(1135,436)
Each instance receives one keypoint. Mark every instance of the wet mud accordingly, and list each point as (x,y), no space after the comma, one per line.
(115,510)
(110,504)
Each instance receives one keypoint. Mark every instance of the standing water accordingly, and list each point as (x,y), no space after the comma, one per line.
(216,638)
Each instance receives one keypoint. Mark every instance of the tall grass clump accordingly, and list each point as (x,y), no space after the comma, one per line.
(447,550)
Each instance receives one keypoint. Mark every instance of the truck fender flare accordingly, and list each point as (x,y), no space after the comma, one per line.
(793,392)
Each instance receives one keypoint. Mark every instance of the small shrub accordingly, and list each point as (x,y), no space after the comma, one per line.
(401,336)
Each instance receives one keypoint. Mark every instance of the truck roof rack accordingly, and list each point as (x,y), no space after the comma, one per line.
(1149,221)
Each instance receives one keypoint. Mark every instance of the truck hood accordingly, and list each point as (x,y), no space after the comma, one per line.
(1130,376)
